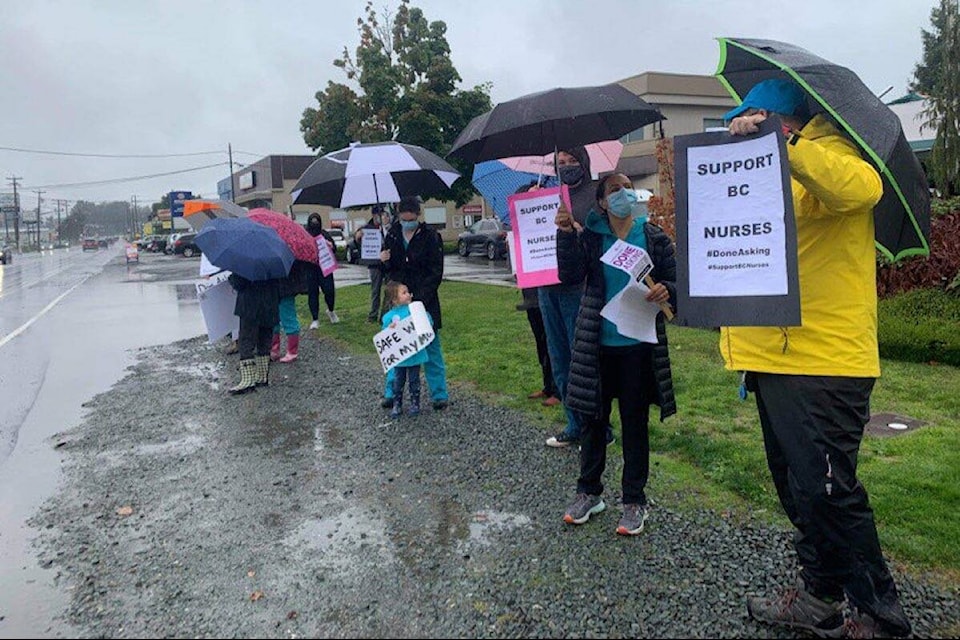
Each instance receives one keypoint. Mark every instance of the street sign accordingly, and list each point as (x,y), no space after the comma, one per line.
(177,199)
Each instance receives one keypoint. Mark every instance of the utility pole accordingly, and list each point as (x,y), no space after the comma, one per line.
(136,215)
(230,157)
(16,212)
(59,227)
(39,193)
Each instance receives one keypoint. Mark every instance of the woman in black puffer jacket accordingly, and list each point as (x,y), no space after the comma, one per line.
(607,365)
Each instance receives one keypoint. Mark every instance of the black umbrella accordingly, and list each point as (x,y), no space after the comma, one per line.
(541,123)
(373,173)
(902,217)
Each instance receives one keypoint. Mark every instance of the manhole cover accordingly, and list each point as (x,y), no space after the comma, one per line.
(891,424)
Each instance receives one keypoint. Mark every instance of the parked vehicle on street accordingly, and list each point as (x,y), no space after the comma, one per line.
(339,240)
(488,235)
(91,244)
(185,246)
(6,254)
(353,251)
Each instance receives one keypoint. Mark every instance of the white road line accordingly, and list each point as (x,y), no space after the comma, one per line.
(26,325)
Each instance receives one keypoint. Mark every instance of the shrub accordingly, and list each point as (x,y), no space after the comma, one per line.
(938,269)
(922,325)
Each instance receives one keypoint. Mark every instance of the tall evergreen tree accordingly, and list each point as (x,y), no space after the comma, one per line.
(941,84)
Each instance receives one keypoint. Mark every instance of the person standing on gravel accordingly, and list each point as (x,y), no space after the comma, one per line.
(257,307)
(319,282)
(606,364)
(813,382)
(413,255)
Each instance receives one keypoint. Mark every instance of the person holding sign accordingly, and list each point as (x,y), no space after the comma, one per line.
(318,281)
(375,268)
(407,372)
(813,382)
(413,255)
(607,365)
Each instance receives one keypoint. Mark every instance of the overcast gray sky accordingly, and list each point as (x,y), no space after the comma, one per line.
(175,76)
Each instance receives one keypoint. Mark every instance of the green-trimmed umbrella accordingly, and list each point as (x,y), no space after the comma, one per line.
(902,217)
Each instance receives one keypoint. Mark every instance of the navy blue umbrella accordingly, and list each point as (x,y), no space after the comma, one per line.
(247,248)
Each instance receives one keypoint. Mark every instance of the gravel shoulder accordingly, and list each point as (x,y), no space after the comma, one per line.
(301,510)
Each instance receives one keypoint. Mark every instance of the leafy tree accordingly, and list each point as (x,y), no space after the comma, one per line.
(407,89)
(942,86)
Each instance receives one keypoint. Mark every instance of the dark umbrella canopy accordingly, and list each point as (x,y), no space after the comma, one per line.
(373,173)
(246,248)
(902,216)
(541,123)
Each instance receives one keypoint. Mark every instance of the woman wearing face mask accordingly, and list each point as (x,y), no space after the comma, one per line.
(413,255)
(560,303)
(607,365)
(318,281)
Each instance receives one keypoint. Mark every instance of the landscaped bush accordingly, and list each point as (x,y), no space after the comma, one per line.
(922,325)
(939,269)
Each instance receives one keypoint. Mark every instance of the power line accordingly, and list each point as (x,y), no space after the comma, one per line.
(121,180)
(121,155)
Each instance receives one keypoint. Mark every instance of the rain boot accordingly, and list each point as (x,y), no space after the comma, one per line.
(414,409)
(275,347)
(293,345)
(263,371)
(248,377)
(397,409)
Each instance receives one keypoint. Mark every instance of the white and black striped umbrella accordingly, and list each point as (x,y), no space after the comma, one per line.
(372,173)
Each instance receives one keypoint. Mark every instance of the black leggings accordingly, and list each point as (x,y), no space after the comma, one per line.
(254,339)
(320,283)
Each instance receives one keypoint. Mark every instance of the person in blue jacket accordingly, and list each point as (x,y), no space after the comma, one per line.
(407,373)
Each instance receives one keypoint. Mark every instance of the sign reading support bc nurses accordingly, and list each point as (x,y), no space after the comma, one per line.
(736,232)
(177,199)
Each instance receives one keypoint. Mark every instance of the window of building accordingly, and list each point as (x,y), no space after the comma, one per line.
(713,123)
(435,215)
(633,136)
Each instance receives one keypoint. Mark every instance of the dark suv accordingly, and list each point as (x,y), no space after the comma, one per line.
(185,246)
(488,235)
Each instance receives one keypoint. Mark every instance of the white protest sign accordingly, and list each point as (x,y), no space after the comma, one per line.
(630,258)
(408,337)
(632,314)
(370,243)
(217,302)
(326,257)
(736,230)
(532,219)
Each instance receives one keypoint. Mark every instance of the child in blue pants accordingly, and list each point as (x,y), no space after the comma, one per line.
(407,373)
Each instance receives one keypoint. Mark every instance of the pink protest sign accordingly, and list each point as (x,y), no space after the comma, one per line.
(327,259)
(532,217)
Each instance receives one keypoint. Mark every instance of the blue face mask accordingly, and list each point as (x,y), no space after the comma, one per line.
(622,203)
(409,225)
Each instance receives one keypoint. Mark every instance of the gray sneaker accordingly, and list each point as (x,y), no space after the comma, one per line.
(797,607)
(584,506)
(631,522)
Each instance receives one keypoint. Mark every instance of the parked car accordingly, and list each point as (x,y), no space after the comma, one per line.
(488,235)
(339,240)
(6,254)
(90,244)
(185,246)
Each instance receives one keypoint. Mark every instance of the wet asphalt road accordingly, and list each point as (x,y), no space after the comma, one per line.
(70,324)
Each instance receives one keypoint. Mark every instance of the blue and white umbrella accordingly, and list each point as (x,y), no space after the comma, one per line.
(495,181)
(377,172)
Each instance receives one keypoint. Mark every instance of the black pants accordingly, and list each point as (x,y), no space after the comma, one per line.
(254,339)
(812,428)
(410,377)
(535,318)
(626,373)
(376,282)
(319,282)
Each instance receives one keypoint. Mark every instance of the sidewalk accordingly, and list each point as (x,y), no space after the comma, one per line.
(302,510)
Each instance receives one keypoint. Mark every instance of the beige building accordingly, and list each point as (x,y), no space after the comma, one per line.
(691,104)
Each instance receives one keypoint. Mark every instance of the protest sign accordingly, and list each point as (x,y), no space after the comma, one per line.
(371,242)
(409,336)
(532,219)
(632,314)
(217,302)
(636,262)
(736,234)
(326,257)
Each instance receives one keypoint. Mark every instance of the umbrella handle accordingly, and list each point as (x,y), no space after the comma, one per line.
(664,306)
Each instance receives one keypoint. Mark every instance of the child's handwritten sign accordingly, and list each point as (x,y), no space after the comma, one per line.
(408,337)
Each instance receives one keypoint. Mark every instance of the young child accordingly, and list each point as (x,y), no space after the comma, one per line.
(399,299)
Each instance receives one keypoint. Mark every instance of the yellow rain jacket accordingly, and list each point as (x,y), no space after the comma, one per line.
(834,192)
